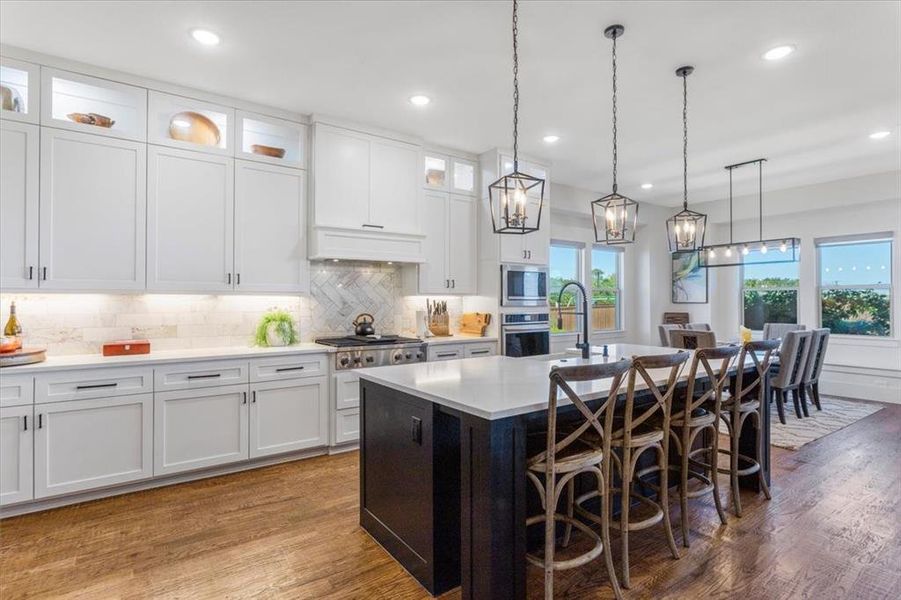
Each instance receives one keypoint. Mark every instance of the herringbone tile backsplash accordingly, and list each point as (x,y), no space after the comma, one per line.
(80,323)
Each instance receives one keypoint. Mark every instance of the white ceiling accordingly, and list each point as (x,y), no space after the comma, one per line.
(810,114)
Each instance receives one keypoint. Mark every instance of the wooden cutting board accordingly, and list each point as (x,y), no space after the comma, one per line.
(475,323)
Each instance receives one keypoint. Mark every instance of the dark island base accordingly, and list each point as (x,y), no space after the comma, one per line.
(445,492)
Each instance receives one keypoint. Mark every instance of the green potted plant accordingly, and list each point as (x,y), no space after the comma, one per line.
(276,328)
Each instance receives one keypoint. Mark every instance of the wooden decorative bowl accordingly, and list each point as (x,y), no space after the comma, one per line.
(268,150)
(195,128)
(91,119)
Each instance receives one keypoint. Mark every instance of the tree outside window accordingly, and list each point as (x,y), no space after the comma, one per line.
(565,265)
(605,288)
(856,286)
(769,292)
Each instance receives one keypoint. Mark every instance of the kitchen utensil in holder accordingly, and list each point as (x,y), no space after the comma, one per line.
(439,324)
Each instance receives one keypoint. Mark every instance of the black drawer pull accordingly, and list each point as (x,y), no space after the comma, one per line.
(25,417)
(209,376)
(447,354)
(96,386)
(474,352)
(373,226)
(283,369)
(40,421)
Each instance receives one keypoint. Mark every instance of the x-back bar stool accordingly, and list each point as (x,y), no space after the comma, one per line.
(568,454)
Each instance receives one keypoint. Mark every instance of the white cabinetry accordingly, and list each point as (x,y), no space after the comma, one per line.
(288,415)
(346,423)
(466,349)
(531,248)
(199,428)
(190,124)
(270,229)
(24,81)
(19,178)
(93,211)
(86,444)
(190,229)
(394,192)
(450,244)
(16,448)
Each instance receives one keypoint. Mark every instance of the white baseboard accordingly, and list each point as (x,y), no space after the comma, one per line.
(865,384)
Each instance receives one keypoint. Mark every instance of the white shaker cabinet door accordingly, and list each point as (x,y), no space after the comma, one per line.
(19,163)
(199,428)
(462,255)
(86,444)
(340,178)
(433,277)
(190,232)
(16,448)
(270,229)
(394,199)
(93,212)
(288,415)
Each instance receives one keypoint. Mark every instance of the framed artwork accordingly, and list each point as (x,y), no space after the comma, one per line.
(689,279)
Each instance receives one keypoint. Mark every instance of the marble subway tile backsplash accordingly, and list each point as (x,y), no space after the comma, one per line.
(81,323)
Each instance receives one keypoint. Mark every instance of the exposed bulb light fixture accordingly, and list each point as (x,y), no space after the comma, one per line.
(515,200)
(647,186)
(763,248)
(205,37)
(745,250)
(880,135)
(783,247)
(615,214)
(419,100)
(551,139)
(778,53)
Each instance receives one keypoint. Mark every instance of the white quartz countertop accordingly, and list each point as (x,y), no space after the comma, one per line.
(497,387)
(460,338)
(87,361)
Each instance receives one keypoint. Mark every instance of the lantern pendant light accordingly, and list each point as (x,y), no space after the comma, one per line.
(685,230)
(615,215)
(516,199)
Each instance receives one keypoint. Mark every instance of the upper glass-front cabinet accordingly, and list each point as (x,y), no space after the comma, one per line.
(20,89)
(271,140)
(82,103)
(442,172)
(192,124)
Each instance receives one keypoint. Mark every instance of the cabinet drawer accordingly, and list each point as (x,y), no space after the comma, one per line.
(190,376)
(347,390)
(16,390)
(92,383)
(445,352)
(288,367)
(476,350)
(347,426)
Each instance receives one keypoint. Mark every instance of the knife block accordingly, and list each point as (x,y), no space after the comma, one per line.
(440,325)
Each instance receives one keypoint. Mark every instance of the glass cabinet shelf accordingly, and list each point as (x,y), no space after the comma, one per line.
(182,122)
(435,172)
(20,90)
(82,103)
(464,176)
(271,140)
(448,173)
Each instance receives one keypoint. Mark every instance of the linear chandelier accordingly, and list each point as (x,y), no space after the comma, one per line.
(767,251)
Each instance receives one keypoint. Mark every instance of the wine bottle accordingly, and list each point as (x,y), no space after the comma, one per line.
(13,327)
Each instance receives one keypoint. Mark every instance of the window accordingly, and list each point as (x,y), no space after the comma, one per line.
(769,292)
(605,288)
(856,285)
(565,265)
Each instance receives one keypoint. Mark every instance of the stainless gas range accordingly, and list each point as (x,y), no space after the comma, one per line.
(358,352)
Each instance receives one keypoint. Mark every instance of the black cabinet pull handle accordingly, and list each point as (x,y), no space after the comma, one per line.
(209,376)
(253,395)
(96,386)
(25,418)
(44,273)
(40,421)
(238,279)
(373,226)
(228,278)
(30,273)
(245,398)
(474,352)
(283,369)
(446,354)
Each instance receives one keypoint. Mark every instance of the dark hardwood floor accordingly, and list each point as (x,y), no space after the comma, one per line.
(832,530)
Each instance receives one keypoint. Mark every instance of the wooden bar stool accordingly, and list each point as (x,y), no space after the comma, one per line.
(568,454)
(696,414)
(745,400)
(633,435)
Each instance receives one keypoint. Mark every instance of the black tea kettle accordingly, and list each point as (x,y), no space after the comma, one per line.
(363,324)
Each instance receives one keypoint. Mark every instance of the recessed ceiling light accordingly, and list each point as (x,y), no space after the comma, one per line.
(647,186)
(419,100)
(205,37)
(551,139)
(878,135)
(779,52)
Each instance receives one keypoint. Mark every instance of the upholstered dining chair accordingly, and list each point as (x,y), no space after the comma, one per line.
(792,363)
(637,428)
(744,401)
(664,331)
(810,382)
(570,452)
(690,340)
(699,327)
(777,331)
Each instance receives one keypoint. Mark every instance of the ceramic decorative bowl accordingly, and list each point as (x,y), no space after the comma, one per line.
(195,128)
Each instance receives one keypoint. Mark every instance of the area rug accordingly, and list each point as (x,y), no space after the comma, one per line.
(836,414)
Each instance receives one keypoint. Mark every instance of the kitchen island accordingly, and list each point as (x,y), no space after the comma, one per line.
(442,463)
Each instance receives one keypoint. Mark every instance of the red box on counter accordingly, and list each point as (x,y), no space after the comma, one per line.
(126,347)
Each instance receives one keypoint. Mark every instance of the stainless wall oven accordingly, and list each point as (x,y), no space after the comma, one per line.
(523,285)
(525,334)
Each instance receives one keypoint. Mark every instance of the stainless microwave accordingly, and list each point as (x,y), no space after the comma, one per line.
(523,285)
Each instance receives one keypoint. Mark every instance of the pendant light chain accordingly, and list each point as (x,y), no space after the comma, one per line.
(515,87)
(685,141)
(614,113)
